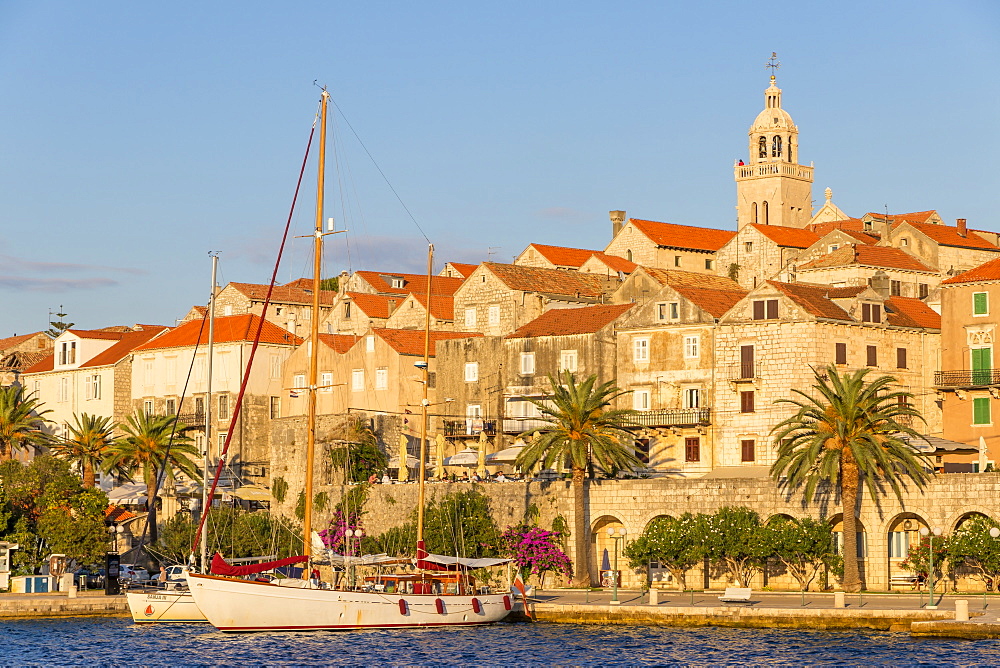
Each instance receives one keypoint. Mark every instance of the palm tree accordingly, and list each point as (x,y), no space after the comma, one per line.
(584,430)
(21,422)
(144,448)
(88,445)
(850,431)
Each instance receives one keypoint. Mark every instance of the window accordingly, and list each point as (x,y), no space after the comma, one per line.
(199,442)
(640,400)
(275,408)
(691,346)
(369,344)
(222,440)
(895,288)
(275,366)
(753,214)
(661,311)
(923,290)
(692,397)
(326,381)
(641,448)
(840,356)
(92,386)
(357,380)
(640,350)
(67,352)
(708,265)
(831,248)
(872,356)
(199,407)
(147,373)
(762,147)
(747,366)
(171,406)
(765,309)
(838,543)
(980,304)
(900,358)
(675,310)
(677,260)
(981,411)
(347,310)
(64,389)
(982,365)
(567,360)
(871,313)
(431,380)
(223,407)
(776,146)
(899,544)
(748,450)
(471,372)
(628,253)
(692,449)
(527,364)
(227,309)
(470,317)
(147,407)
(763,212)
(747,401)
(473,419)
(299,381)
(382,378)
(397,282)
(748,245)
(904,242)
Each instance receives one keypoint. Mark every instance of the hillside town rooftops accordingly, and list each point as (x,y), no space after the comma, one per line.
(814,299)
(463,268)
(284,294)
(885,257)
(228,329)
(12,341)
(340,343)
(686,237)
(548,281)
(442,306)
(792,237)
(375,306)
(563,256)
(569,321)
(911,312)
(989,271)
(945,235)
(403,284)
(411,341)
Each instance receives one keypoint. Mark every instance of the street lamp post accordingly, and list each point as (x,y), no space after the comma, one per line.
(994,534)
(930,533)
(616,537)
(357,535)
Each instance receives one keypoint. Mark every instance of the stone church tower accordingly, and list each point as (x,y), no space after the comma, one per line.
(772,188)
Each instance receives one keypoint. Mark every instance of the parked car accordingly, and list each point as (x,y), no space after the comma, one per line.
(89,577)
(130,572)
(176,573)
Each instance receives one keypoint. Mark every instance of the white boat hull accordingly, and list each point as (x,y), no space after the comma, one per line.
(242,605)
(164,606)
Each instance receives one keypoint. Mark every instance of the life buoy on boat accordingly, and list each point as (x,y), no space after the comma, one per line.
(439,604)
(506,603)
(477,607)
(402,606)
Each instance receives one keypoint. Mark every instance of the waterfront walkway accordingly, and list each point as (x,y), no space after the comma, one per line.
(56,604)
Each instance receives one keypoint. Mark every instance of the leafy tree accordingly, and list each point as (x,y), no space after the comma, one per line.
(153,443)
(849,431)
(21,423)
(58,326)
(677,543)
(234,532)
(361,457)
(535,551)
(735,537)
(329,283)
(78,531)
(90,439)
(973,547)
(804,546)
(460,524)
(918,557)
(582,430)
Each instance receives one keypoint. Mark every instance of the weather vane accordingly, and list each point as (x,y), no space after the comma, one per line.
(773,63)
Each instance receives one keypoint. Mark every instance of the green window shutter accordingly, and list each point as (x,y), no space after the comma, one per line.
(981,410)
(980,303)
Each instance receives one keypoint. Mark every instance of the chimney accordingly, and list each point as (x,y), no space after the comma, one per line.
(617,221)
(962,231)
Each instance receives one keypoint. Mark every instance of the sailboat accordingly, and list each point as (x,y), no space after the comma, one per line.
(438,593)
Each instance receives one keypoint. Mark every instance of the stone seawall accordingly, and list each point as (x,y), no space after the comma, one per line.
(13,606)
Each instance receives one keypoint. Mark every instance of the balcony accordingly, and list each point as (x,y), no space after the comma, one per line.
(469,427)
(672,417)
(521,425)
(744,372)
(966,378)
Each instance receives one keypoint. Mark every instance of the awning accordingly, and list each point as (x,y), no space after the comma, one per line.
(411,462)
(253,493)
(467,457)
(129,493)
(505,456)
(467,563)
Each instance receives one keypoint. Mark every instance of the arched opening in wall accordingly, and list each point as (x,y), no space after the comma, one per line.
(763,211)
(762,147)
(837,526)
(753,213)
(903,534)
(971,531)
(776,146)
(628,254)
(790,150)
(603,547)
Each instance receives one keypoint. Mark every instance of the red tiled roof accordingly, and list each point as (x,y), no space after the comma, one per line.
(813,298)
(464,269)
(713,294)
(12,341)
(945,235)
(441,285)
(869,256)
(846,292)
(712,301)
(21,360)
(45,364)
(915,217)
(128,343)
(547,281)
(568,321)
(411,341)
(376,306)
(442,307)
(616,263)
(989,271)
(115,513)
(683,236)
(822,229)
(340,343)
(107,333)
(793,237)
(228,329)
(300,283)
(911,312)
(563,256)
(283,294)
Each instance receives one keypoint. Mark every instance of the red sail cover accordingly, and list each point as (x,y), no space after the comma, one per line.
(221,567)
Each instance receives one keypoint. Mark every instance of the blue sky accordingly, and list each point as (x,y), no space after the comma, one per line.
(137,136)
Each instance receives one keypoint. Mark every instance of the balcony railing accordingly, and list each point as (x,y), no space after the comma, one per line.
(469,427)
(672,417)
(967,378)
(520,425)
(745,371)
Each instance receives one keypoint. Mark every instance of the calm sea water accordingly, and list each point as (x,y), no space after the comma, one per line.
(116,641)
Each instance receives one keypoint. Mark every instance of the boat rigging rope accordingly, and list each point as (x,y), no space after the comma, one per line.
(256,342)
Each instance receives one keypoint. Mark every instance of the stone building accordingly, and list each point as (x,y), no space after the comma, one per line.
(290,307)
(498,298)
(668,245)
(412,313)
(667,360)
(160,375)
(357,312)
(758,253)
(18,353)
(968,378)
(887,269)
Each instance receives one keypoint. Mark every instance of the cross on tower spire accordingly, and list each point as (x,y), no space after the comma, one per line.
(773,64)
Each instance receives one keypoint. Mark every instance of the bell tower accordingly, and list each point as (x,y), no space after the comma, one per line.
(771,187)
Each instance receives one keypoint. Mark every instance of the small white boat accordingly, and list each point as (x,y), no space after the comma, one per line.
(160,605)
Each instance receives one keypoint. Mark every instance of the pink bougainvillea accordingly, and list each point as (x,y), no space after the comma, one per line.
(333,537)
(536,550)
